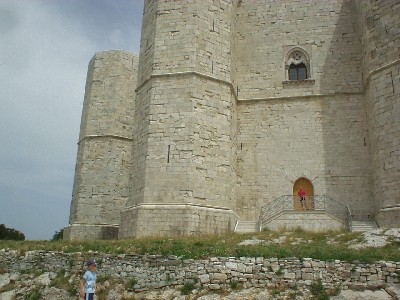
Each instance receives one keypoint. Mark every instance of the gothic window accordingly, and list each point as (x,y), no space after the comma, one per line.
(297,65)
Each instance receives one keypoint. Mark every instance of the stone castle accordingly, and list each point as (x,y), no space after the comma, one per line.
(233,104)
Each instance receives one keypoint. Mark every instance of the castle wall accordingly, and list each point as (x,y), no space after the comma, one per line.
(193,36)
(103,165)
(315,129)
(184,143)
(380,23)
(216,128)
(321,139)
(327,30)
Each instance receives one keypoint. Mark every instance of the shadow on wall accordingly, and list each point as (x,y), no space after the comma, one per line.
(344,122)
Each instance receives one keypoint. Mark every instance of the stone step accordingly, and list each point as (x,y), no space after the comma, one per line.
(247,227)
(359,226)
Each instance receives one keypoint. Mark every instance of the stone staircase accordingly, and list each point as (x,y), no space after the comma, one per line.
(363,226)
(247,227)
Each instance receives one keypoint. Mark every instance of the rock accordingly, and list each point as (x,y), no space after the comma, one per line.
(4,280)
(218,277)
(55,293)
(113,295)
(376,238)
(204,278)
(214,287)
(357,295)
(393,290)
(394,233)
(253,294)
(254,241)
(44,279)
(10,295)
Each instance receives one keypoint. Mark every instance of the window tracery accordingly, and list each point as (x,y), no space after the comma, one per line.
(297,65)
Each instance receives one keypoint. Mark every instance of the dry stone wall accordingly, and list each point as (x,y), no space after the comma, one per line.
(154,272)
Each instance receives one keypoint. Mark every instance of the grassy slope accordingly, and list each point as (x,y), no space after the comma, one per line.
(300,244)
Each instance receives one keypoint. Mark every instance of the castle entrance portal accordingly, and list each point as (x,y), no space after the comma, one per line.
(307,186)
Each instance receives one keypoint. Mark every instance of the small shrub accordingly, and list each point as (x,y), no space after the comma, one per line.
(103,277)
(299,230)
(131,283)
(58,235)
(99,262)
(279,272)
(187,288)
(335,291)
(274,292)
(292,295)
(318,291)
(71,263)
(102,295)
(34,294)
(234,284)
(72,290)
(62,282)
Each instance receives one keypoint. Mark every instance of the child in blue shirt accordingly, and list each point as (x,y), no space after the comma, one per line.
(87,286)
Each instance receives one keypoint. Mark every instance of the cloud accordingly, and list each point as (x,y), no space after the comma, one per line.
(45,47)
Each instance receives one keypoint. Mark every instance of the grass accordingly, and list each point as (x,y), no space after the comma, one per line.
(34,294)
(313,245)
(61,282)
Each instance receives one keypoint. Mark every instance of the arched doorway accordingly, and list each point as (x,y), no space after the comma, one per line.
(307,186)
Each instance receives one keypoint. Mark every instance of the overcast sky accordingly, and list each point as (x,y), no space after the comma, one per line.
(45,48)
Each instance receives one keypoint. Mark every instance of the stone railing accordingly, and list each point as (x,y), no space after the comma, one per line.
(285,203)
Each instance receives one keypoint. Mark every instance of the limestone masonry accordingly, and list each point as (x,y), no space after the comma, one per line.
(153,272)
(233,104)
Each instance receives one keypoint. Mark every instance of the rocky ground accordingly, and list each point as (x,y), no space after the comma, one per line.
(27,287)
(373,238)
(376,238)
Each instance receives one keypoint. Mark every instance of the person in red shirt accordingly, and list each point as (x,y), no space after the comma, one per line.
(302,195)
